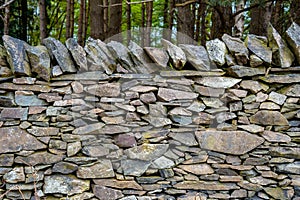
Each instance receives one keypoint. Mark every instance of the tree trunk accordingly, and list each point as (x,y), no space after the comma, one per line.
(96,17)
(203,23)
(115,19)
(222,21)
(149,12)
(24,19)
(143,25)
(81,23)
(166,20)
(295,11)
(72,19)
(198,23)
(86,21)
(6,19)
(43,20)
(68,18)
(260,18)
(185,23)
(277,16)
(239,20)
(128,21)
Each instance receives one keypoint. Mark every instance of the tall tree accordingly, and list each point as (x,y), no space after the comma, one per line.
(128,20)
(238,28)
(114,19)
(222,20)
(185,21)
(81,22)
(96,19)
(24,19)
(149,11)
(43,19)
(166,18)
(295,11)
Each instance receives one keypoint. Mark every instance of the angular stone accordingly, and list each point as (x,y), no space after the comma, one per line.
(147,152)
(281,54)
(288,78)
(252,128)
(228,141)
(148,98)
(267,117)
(122,54)
(217,51)
(28,98)
(56,71)
(119,184)
(39,158)
(15,175)
(241,71)
(61,54)
(69,102)
(224,116)
(64,167)
(95,151)
(177,56)
(205,185)
(6,160)
(261,180)
(97,59)
(14,113)
(276,193)
(170,94)
(78,54)
(134,167)
(33,88)
(218,82)
(277,98)
(292,38)
(73,148)
(101,169)
(255,61)
(196,106)
(43,131)
(88,129)
(14,139)
(159,56)
(7,100)
(183,73)
(107,90)
(104,193)
(293,91)
(253,86)
(157,121)
(287,152)
(237,47)
(16,55)
(290,168)
(67,185)
(125,140)
(140,58)
(143,89)
(208,91)
(259,46)
(162,163)
(197,169)
(50,97)
(197,56)
(239,194)
(212,102)
(85,76)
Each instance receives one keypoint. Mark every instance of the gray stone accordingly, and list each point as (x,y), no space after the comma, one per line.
(125,140)
(159,56)
(14,113)
(157,121)
(78,54)
(259,46)
(104,193)
(224,116)
(95,151)
(16,175)
(277,98)
(217,51)
(39,61)
(293,40)
(281,54)
(197,169)
(7,99)
(28,98)
(148,98)
(61,54)
(162,163)
(276,193)
(39,158)
(252,128)
(88,129)
(267,117)
(212,102)
(253,86)
(107,90)
(64,167)
(177,56)
(170,94)
(292,91)
(208,91)
(100,169)
(197,56)
(261,180)
(147,152)
(241,71)
(34,88)
(196,106)
(6,160)
(119,184)
(288,78)
(237,47)
(14,139)
(73,148)
(85,76)
(65,184)
(43,131)
(293,168)
(255,61)
(205,185)
(287,152)
(134,167)
(218,82)
(16,55)
(228,141)
(187,73)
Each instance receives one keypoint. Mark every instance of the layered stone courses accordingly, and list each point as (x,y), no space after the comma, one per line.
(119,122)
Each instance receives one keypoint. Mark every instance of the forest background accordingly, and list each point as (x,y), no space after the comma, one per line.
(144,21)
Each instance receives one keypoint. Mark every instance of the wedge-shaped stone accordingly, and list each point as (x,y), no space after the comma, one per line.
(197,169)
(61,54)
(228,141)
(282,55)
(28,98)
(241,71)
(104,193)
(259,46)
(159,56)
(14,113)
(63,184)
(16,55)
(147,152)
(266,117)
(119,184)
(34,88)
(78,53)
(217,51)
(291,168)
(197,56)
(88,129)
(101,169)
(105,90)
(43,131)
(170,94)
(288,152)
(205,185)
(134,167)
(178,58)
(39,61)
(288,78)
(184,73)
(39,158)
(218,82)
(292,37)
(14,139)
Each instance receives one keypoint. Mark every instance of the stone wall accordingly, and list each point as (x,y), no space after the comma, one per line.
(113,122)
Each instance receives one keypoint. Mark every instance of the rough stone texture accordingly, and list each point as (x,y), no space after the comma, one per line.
(78,54)
(102,169)
(293,39)
(170,94)
(259,46)
(24,98)
(265,117)
(177,56)
(228,141)
(147,152)
(218,82)
(217,51)
(159,56)
(108,90)
(241,71)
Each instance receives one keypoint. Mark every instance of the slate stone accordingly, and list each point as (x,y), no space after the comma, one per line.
(64,168)
(73,148)
(292,38)
(61,54)
(292,91)
(162,163)
(33,88)
(217,51)
(218,82)
(16,175)
(177,56)
(6,160)
(43,131)
(95,151)
(14,113)
(88,129)
(146,152)
(134,167)
(28,98)
(78,54)
(276,193)
(159,56)
(252,128)
(259,46)
(69,102)
(85,76)
(119,184)
(287,152)
(104,193)
(241,71)
(197,169)
(157,121)
(170,94)
(39,61)
(65,184)
(107,90)
(255,61)
(101,169)
(183,73)
(228,141)
(277,98)
(288,78)
(14,139)
(281,54)
(237,47)
(208,91)
(290,168)
(148,98)
(125,140)
(253,86)
(39,158)
(197,56)
(205,185)
(267,117)
(16,55)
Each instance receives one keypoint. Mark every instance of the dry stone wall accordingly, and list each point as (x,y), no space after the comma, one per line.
(109,121)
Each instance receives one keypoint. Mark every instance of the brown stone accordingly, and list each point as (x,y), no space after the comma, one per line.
(266,117)
(34,88)
(170,94)
(119,184)
(107,90)
(104,193)
(275,137)
(205,185)
(39,158)
(43,131)
(14,113)
(101,169)
(197,169)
